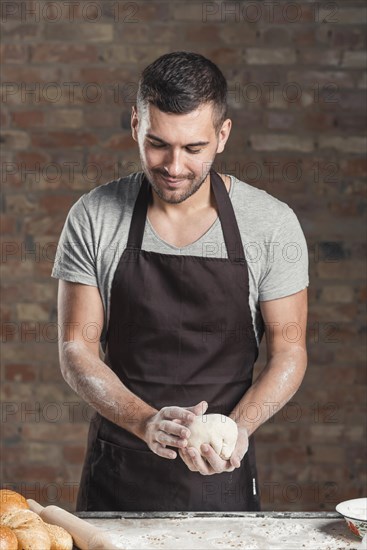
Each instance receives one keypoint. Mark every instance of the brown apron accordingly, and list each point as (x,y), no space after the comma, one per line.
(180,332)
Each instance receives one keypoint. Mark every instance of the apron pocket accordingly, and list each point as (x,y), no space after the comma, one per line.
(124,479)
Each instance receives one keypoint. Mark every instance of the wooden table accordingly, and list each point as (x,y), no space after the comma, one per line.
(226,530)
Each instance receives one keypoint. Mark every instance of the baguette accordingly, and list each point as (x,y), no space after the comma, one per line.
(29,529)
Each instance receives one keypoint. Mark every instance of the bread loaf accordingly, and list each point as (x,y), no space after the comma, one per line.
(10,500)
(29,529)
(59,537)
(8,540)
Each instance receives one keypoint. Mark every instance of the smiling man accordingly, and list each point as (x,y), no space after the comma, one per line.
(161,265)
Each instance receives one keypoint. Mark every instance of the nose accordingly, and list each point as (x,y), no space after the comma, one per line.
(173,163)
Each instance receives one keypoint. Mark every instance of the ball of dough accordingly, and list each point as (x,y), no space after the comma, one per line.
(8,540)
(216,430)
(10,500)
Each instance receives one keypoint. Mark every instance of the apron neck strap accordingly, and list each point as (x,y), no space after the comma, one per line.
(231,233)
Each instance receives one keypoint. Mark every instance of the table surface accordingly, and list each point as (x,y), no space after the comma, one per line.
(225,530)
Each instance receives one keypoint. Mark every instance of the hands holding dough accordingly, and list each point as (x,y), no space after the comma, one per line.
(216,430)
(215,445)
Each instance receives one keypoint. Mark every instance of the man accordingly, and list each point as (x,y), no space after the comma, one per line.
(153,266)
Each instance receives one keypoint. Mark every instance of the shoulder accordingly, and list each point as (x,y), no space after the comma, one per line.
(258,206)
(115,194)
(253,196)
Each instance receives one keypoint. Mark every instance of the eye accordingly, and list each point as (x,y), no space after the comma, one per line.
(156,145)
(193,151)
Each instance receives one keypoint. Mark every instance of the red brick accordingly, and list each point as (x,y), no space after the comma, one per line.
(278,36)
(64,53)
(20,204)
(32,159)
(64,139)
(48,431)
(362,294)
(27,119)
(316,79)
(56,203)
(102,119)
(106,161)
(346,16)
(203,33)
(34,473)
(7,224)
(14,53)
(4,118)
(21,373)
(319,121)
(32,76)
(120,142)
(351,122)
(15,31)
(231,35)
(65,118)
(106,75)
(28,290)
(304,37)
(347,38)
(287,13)
(74,455)
(139,54)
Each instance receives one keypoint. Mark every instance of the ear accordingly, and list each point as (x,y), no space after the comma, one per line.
(134,122)
(224,134)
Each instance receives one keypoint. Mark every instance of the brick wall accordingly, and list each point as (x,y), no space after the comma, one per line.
(297,96)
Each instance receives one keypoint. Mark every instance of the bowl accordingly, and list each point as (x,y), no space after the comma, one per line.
(355,514)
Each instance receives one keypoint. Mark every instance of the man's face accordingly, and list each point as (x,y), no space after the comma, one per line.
(177,150)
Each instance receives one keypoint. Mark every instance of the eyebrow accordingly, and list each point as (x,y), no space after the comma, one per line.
(156,138)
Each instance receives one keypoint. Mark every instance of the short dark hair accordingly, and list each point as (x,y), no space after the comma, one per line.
(179,82)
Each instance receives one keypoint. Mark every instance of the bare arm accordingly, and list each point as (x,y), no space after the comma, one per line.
(80,322)
(285,330)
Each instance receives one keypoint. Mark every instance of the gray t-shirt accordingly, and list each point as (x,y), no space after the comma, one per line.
(96,229)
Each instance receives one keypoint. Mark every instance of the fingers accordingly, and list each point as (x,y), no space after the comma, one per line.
(167,439)
(194,461)
(174,428)
(235,461)
(160,450)
(179,413)
(209,464)
(200,408)
(215,461)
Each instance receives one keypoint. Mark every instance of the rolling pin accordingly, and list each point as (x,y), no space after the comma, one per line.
(85,535)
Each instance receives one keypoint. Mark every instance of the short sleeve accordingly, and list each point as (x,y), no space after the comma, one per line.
(75,257)
(287,260)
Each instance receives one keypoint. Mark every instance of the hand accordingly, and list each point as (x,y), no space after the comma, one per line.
(212,463)
(169,426)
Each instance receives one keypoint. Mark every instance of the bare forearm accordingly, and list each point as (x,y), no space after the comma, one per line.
(274,387)
(99,386)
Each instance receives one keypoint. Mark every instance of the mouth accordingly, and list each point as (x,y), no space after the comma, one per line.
(173,181)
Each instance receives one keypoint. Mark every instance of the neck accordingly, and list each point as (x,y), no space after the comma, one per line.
(198,202)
